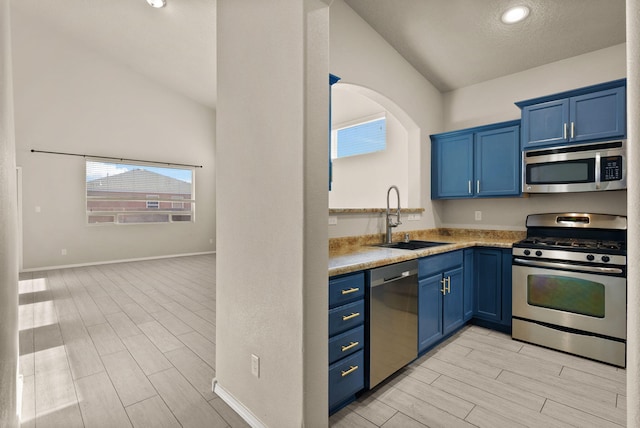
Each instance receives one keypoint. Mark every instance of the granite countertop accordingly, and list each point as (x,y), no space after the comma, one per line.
(352,254)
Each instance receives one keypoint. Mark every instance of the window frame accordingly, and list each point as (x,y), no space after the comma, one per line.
(157,207)
(351,124)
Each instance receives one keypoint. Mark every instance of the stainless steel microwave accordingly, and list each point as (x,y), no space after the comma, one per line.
(576,168)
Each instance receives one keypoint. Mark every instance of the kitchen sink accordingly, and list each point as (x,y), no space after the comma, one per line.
(413,245)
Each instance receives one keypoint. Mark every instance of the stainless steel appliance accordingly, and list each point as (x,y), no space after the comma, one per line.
(576,168)
(393,319)
(569,285)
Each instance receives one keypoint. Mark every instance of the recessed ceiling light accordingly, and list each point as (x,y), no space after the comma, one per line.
(157,3)
(515,14)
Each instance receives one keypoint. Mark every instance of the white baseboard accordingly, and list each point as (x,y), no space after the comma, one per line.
(108,262)
(240,409)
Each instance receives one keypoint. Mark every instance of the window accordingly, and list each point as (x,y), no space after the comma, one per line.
(359,137)
(153,204)
(119,193)
(177,205)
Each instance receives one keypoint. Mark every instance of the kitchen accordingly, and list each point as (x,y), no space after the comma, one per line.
(460,213)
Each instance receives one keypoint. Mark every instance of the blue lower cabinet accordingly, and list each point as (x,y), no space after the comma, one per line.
(429,311)
(346,317)
(345,344)
(492,283)
(346,339)
(440,297)
(468,284)
(346,378)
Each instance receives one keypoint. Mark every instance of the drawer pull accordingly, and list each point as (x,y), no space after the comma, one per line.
(348,317)
(350,290)
(349,346)
(348,372)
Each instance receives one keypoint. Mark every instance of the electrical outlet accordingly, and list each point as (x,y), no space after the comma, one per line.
(38,209)
(478,215)
(333,220)
(210,240)
(63,251)
(413,217)
(255,365)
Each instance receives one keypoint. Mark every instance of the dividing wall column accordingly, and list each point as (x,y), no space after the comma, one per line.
(8,233)
(633,213)
(271,210)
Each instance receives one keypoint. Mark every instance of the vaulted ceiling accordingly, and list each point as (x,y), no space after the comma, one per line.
(453,43)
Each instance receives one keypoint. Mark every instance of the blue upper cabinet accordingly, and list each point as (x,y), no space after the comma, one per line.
(497,166)
(332,80)
(452,165)
(476,162)
(587,114)
(598,116)
(545,123)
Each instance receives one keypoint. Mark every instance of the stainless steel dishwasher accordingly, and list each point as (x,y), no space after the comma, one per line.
(393,319)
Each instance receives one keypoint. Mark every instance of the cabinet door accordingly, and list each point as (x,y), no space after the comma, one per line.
(453,301)
(598,115)
(429,311)
(468,284)
(545,124)
(506,287)
(452,166)
(497,162)
(488,284)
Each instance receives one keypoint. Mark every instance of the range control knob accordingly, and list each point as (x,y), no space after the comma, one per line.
(590,257)
(526,252)
(605,259)
(538,253)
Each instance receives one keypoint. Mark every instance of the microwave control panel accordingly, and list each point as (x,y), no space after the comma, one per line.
(611,168)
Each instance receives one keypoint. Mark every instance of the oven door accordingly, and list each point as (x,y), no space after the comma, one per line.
(551,293)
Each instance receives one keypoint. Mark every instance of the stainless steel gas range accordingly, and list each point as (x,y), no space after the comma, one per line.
(570,287)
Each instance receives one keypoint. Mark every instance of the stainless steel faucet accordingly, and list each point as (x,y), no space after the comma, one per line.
(390,223)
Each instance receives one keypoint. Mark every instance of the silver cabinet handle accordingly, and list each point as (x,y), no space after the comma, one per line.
(573,129)
(564,132)
(597,177)
(478,187)
(469,186)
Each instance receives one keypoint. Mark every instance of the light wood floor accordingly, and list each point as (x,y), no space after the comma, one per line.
(120,345)
(133,344)
(483,378)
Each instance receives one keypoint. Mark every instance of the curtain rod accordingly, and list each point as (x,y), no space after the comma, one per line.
(113,158)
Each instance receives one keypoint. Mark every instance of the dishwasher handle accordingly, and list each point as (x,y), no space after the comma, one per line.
(402,275)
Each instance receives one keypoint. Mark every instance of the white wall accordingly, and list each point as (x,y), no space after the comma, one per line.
(633,273)
(272,249)
(70,99)
(8,235)
(362,181)
(360,56)
(493,101)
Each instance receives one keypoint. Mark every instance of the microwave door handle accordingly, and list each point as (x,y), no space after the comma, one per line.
(597,170)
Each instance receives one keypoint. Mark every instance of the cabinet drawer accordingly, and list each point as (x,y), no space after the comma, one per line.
(346,377)
(346,289)
(433,264)
(346,317)
(346,344)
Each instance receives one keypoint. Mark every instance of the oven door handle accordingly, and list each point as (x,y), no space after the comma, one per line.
(591,269)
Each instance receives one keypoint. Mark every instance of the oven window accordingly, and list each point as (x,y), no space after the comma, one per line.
(567,294)
(562,172)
